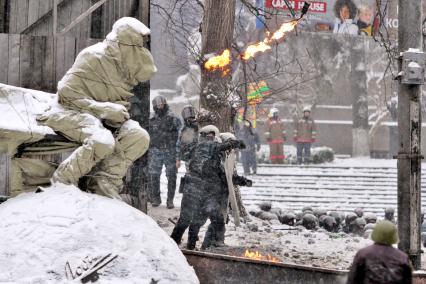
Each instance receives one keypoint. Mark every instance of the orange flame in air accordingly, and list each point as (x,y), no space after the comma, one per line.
(258,256)
(222,61)
(219,62)
(264,45)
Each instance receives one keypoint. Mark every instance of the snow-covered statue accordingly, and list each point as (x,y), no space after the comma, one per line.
(189,84)
(90,110)
(95,93)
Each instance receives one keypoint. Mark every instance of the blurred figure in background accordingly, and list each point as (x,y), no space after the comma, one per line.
(275,135)
(305,132)
(248,155)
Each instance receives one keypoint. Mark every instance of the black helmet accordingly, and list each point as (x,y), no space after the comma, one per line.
(188,111)
(159,100)
(156,102)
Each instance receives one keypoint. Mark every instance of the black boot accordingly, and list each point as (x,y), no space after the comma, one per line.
(155,197)
(192,236)
(177,234)
(171,188)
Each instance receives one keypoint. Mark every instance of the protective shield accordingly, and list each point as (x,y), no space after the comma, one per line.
(229,165)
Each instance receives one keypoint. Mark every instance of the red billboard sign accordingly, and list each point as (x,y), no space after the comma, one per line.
(297,5)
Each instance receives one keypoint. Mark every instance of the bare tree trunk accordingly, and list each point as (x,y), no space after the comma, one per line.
(217,34)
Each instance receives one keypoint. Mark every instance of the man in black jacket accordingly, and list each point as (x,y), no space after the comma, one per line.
(164,132)
(204,185)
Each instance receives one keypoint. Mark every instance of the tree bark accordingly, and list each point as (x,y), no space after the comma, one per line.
(217,35)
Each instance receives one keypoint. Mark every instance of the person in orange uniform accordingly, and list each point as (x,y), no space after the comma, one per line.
(275,135)
(305,132)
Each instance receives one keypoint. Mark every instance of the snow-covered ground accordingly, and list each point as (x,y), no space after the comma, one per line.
(341,185)
(41,232)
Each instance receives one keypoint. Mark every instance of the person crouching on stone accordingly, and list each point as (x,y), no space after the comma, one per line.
(95,95)
(203,185)
(380,263)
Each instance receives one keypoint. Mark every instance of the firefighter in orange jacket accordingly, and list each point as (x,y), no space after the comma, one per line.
(304,135)
(275,135)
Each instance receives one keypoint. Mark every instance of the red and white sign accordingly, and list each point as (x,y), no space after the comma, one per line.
(297,5)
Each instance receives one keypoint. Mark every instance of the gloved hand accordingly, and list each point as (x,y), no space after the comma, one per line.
(115,114)
(241,145)
(249,182)
(258,148)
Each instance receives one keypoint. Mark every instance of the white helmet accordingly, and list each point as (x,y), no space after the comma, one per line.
(227,135)
(208,129)
(306,108)
(272,111)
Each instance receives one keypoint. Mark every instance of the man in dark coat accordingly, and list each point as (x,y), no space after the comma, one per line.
(203,187)
(380,263)
(248,156)
(164,132)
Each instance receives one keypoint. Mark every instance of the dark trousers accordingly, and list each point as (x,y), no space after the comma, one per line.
(248,159)
(158,158)
(303,152)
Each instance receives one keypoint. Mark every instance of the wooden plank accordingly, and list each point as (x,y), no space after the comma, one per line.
(2,16)
(116,10)
(55,17)
(81,17)
(39,46)
(33,11)
(13,22)
(64,16)
(43,9)
(70,53)
(3,174)
(25,54)
(4,57)
(105,15)
(85,24)
(48,72)
(110,17)
(22,14)
(43,16)
(76,11)
(60,57)
(14,45)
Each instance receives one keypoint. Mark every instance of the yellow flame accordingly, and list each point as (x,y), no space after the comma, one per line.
(219,62)
(258,256)
(255,48)
(222,61)
(285,28)
(264,45)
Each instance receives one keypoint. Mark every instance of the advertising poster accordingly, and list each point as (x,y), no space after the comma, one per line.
(350,17)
